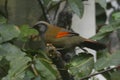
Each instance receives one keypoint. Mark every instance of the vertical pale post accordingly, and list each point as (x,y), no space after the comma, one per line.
(86,25)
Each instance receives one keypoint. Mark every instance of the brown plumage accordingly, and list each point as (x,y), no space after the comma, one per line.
(62,38)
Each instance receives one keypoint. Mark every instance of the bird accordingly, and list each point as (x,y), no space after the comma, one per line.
(62,38)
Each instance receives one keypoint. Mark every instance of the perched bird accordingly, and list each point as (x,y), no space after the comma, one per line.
(64,39)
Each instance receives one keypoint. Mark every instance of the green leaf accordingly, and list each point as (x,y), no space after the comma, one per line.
(81,65)
(116,16)
(107,29)
(107,75)
(4,67)
(18,61)
(115,75)
(37,78)
(8,32)
(47,70)
(28,75)
(109,60)
(103,3)
(25,40)
(26,32)
(77,7)
(100,15)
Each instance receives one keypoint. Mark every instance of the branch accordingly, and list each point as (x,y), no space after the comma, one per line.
(84,78)
(59,62)
(43,10)
(51,7)
(34,70)
(6,9)
(56,10)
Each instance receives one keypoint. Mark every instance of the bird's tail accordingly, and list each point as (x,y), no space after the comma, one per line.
(93,45)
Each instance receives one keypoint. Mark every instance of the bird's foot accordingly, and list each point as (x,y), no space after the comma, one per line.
(52,51)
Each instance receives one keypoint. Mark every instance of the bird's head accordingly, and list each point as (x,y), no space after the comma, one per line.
(41,26)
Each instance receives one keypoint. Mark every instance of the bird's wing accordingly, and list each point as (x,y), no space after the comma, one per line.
(66,34)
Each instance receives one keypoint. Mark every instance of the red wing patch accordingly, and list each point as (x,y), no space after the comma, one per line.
(63,34)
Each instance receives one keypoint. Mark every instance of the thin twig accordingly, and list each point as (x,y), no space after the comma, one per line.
(56,11)
(84,78)
(6,9)
(43,10)
(34,70)
(53,6)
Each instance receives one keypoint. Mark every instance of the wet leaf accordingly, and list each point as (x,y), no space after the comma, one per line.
(46,69)
(109,60)
(103,3)
(77,7)
(8,32)
(81,65)
(18,61)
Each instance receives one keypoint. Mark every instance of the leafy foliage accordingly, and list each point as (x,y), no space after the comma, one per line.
(17,61)
(108,60)
(46,69)
(8,32)
(21,57)
(115,75)
(26,32)
(116,16)
(102,3)
(81,65)
(107,29)
(4,67)
(77,6)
